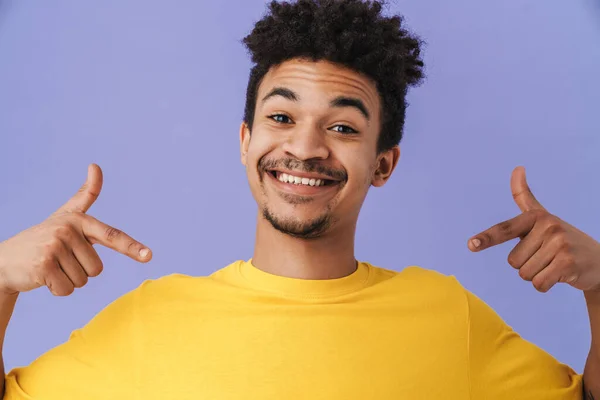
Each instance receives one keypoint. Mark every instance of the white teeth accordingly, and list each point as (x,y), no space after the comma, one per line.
(286,178)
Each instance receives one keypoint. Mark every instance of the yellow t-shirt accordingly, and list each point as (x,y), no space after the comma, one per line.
(242,333)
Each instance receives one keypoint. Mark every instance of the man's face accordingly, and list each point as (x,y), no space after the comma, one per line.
(311,156)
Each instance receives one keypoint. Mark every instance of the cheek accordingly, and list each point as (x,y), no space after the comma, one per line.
(261,145)
(360,171)
(262,141)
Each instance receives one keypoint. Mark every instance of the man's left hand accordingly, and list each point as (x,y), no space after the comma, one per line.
(550,249)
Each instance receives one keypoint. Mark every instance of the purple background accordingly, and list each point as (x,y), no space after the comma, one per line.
(153,91)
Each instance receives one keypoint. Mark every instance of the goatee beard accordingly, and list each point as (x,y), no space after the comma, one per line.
(309,230)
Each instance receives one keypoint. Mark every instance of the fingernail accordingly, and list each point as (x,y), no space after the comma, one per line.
(476,243)
(144,253)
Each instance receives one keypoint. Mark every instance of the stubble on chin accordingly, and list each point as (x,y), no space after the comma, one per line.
(312,229)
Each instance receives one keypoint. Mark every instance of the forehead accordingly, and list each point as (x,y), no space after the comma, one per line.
(316,78)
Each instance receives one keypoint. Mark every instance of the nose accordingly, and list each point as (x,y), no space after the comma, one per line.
(306,143)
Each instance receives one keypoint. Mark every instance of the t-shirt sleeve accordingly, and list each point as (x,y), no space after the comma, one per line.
(97,362)
(505,366)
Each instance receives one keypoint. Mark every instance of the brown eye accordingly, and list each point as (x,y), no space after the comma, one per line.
(344,129)
(281,118)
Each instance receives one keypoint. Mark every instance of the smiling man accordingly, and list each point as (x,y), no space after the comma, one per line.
(310,151)
(303,319)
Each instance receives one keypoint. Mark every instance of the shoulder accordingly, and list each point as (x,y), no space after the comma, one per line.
(430,275)
(423,278)
(421,287)
(181,287)
(172,282)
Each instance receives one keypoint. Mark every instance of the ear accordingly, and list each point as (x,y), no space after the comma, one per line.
(386,163)
(244,142)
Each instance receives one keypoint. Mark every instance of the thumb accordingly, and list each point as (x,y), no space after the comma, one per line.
(87,194)
(522,193)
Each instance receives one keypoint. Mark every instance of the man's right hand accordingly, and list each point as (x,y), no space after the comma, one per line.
(58,253)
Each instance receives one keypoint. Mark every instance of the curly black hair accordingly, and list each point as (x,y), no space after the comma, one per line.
(351,33)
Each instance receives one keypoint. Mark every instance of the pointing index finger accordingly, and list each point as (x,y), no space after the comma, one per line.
(516,227)
(99,232)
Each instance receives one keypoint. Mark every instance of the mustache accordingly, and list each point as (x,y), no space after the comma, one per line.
(293,164)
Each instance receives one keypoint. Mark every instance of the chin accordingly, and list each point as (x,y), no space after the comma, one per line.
(304,227)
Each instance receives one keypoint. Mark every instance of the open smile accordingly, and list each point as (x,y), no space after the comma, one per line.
(301,183)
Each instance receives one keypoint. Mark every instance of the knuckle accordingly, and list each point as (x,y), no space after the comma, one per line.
(555,228)
(133,247)
(95,270)
(58,289)
(81,281)
(65,291)
(112,234)
(558,241)
(485,238)
(64,231)
(545,222)
(505,228)
(539,284)
(525,274)
(512,262)
(568,261)
(85,189)
(53,246)
(47,263)
(566,250)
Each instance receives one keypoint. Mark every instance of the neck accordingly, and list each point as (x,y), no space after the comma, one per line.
(328,257)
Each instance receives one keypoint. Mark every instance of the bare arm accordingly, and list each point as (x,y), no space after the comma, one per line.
(7,305)
(591,374)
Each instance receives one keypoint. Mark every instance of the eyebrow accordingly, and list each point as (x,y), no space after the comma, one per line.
(338,102)
(351,102)
(283,92)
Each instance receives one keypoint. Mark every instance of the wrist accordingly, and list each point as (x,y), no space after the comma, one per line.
(3,290)
(592,297)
